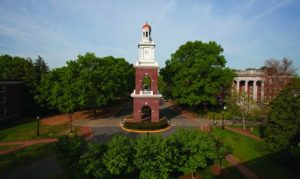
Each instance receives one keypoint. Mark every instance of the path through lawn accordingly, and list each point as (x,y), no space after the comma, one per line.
(245,149)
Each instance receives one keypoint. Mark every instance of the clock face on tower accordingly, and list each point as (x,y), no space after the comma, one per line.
(146,53)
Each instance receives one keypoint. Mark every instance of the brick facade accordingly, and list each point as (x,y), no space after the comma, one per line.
(139,103)
(152,73)
(11,99)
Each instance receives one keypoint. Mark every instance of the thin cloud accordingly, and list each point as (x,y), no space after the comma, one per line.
(271,9)
(164,11)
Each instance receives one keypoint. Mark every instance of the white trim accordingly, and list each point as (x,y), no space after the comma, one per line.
(145,95)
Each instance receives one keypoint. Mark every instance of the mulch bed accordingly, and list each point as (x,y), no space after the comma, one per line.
(184,112)
(84,114)
(188,176)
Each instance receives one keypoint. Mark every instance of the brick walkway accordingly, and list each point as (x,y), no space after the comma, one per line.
(241,167)
(17,145)
(23,144)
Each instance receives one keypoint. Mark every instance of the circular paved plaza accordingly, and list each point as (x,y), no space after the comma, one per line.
(103,129)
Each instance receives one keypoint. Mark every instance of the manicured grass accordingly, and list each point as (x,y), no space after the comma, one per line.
(245,149)
(28,131)
(24,156)
(255,129)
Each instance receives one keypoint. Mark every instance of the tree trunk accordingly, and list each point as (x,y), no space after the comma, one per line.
(244,126)
(193,175)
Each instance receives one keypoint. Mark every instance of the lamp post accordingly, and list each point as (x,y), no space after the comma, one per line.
(70,116)
(223,117)
(38,125)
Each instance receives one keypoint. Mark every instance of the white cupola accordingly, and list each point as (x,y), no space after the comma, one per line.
(146,48)
(146,36)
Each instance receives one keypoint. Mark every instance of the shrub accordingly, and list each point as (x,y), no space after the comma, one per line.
(146,125)
(68,151)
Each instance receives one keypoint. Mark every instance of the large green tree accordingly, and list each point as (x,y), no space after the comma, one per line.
(283,129)
(150,156)
(196,74)
(119,156)
(91,161)
(21,69)
(192,149)
(103,79)
(17,68)
(40,69)
(69,151)
(153,157)
(87,82)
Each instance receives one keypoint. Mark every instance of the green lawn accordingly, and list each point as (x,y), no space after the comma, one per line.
(28,131)
(255,129)
(245,149)
(24,156)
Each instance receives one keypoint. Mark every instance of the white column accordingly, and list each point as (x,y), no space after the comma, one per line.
(246,86)
(254,90)
(238,86)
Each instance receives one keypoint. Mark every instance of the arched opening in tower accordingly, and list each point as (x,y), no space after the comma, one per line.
(146,83)
(146,113)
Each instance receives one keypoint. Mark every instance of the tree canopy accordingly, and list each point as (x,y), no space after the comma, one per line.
(25,70)
(153,157)
(279,67)
(196,74)
(148,156)
(87,82)
(283,130)
(192,149)
(119,156)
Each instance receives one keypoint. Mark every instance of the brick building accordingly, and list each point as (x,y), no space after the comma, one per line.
(11,99)
(257,84)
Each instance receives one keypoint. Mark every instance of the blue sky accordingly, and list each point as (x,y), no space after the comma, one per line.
(250,31)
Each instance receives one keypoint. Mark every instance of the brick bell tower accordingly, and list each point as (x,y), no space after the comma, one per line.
(146,96)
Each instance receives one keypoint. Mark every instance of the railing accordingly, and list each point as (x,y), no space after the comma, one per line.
(250,72)
(146,92)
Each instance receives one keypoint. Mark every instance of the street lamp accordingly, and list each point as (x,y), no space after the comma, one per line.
(223,117)
(70,116)
(38,125)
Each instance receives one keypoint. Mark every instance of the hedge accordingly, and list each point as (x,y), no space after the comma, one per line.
(146,125)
